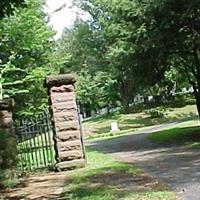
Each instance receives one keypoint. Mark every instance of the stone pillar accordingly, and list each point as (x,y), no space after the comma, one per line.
(68,139)
(8,145)
(6,121)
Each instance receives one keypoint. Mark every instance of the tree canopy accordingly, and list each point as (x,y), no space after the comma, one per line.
(26,42)
(126,48)
(141,44)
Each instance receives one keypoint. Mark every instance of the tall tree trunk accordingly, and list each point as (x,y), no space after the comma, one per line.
(1,88)
(88,110)
(125,97)
(125,104)
(197,97)
(196,89)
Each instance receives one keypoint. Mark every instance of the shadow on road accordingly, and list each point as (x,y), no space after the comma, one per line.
(178,166)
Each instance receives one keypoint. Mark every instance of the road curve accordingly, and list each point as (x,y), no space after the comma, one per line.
(177,166)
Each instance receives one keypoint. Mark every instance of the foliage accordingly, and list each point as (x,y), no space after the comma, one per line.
(151,46)
(7,6)
(9,178)
(96,90)
(83,48)
(156,112)
(8,159)
(8,151)
(176,25)
(26,42)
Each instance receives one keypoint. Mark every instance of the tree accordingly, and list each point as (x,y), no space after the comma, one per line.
(148,38)
(173,28)
(84,48)
(95,92)
(24,54)
(7,6)
(119,22)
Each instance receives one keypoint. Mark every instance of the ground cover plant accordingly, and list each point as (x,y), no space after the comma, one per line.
(106,179)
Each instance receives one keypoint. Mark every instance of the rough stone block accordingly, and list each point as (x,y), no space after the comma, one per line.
(68,125)
(7,104)
(62,97)
(70,155)
(68,135)
(5,114)
(6,122)
(69,145)
(59,80)
(62,89)
(63,117)
(58,107)
(63,110)
(70,164)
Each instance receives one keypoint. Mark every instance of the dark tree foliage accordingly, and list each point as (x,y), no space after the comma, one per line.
(7,6)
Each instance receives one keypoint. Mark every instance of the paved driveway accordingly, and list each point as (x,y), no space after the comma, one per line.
(178,167)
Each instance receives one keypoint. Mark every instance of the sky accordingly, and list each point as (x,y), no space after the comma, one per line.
(64,17)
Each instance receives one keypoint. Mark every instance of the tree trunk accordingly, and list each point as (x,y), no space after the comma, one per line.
(197,98)
(1,88)
(124,93)
(125,104)
(88,110)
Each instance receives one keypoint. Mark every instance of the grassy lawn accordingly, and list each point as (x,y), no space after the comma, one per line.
(107,179)
(100,127)
(186,133)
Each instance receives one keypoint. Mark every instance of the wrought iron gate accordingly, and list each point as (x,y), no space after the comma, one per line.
(35,143)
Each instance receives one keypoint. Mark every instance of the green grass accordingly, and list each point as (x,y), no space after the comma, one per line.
(107,179)
(100,127)
(184,134)
(9,178)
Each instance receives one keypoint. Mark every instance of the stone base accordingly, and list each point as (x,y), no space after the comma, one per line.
(69,165)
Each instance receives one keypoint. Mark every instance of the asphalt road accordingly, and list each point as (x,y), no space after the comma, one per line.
(177,166)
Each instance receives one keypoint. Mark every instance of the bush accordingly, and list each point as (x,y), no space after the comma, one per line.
(156,112)
(9,178)
(8,160)
(8,151)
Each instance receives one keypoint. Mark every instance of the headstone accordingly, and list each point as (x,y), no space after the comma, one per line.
(68,139)
(114,127)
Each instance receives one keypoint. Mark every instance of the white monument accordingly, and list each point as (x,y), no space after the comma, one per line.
(114,127)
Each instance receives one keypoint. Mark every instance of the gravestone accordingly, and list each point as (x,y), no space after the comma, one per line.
(68,139)
(114,127)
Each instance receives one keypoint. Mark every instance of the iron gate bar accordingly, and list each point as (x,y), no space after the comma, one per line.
(35,143)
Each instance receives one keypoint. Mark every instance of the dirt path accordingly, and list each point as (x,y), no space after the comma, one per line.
(38,187)
(177,166)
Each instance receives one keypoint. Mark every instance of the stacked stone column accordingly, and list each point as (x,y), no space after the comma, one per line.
(67,131)
(8,152)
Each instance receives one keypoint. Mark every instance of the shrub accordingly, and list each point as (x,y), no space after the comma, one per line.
(8,160)
(8,151)
(156,112)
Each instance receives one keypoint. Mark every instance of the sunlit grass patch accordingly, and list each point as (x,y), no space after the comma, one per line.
(179,135)
(107,179)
